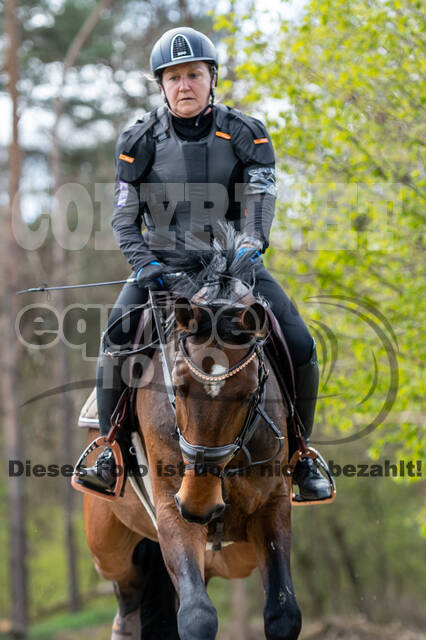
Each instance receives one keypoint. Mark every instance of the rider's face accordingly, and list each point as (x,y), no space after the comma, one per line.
(187,87)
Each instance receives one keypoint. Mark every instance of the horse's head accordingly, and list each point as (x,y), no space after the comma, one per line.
(217,373)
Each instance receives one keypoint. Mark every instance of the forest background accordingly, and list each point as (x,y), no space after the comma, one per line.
(339,84)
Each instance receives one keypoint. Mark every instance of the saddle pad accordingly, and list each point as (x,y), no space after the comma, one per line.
(89,413)
(142,484)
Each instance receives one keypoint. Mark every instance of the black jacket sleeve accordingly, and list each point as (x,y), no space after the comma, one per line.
(127,216)
(259,202)
(254,148)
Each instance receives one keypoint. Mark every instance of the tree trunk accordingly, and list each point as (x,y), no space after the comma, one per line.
(349,564)
(332,567)
(61,261)
(11,350)
(66,413)
(62,365)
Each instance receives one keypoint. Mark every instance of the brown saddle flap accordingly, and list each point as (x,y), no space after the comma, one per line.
(279,356)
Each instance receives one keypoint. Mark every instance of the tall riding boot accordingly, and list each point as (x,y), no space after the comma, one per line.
(102,475)
(312,484)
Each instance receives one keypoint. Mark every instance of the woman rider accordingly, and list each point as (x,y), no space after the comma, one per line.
(185,153)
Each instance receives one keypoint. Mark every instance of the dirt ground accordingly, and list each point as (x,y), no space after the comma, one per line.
(333,629)
(357,629)
(345,629)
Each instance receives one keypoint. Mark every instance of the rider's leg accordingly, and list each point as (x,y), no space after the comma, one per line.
(302,349)
(109,380)
(312,485)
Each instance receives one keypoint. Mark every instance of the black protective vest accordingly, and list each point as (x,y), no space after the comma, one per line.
(190,186)
(195,178)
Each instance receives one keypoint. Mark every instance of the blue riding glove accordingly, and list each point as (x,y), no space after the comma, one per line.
(254,254)
(150,276)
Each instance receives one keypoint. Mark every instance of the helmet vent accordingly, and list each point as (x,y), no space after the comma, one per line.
(180,47)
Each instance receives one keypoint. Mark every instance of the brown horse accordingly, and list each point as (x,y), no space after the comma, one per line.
(206,485)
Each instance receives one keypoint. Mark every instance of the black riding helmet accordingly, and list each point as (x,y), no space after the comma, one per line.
(181,45)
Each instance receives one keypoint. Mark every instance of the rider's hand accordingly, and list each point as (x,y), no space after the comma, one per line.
(252,252)
(150,276)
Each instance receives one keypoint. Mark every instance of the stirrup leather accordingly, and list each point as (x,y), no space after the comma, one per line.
(78,476)
(321,465)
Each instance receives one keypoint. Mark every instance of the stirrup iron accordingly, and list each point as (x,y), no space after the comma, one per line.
(77,481)
(321,465)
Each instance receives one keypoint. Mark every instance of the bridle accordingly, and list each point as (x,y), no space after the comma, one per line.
(207,459)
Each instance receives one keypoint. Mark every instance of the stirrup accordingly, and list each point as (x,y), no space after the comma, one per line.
(321,465)
(77,481)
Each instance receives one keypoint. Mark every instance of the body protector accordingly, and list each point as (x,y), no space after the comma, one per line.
(183,189)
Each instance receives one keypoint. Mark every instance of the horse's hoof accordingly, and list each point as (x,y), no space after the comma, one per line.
(127,628)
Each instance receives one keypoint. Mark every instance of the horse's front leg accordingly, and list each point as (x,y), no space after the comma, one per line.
(183,547)
(270,531)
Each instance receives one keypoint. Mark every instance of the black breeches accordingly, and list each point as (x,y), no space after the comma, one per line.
(296,333)
(131,296)
(110,372)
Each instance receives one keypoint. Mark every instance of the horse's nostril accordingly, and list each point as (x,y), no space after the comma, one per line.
(198,519)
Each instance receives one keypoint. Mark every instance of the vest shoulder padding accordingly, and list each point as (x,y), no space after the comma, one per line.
(135,149)
(249,137)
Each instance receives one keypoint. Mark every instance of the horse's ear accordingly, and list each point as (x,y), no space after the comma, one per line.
(184,313)
(253,319)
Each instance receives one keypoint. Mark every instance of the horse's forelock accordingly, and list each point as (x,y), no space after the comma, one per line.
(216,269)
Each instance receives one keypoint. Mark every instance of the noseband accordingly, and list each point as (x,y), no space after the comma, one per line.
(206,459)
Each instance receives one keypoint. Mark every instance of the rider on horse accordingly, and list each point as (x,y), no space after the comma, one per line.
(183,154)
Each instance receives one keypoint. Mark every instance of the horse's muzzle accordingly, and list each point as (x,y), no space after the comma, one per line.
(198,519)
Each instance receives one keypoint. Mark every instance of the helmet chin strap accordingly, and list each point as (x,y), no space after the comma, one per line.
(202,112)
(211,103)
(166,100)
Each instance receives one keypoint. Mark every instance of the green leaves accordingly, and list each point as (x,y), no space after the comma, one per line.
(345,79)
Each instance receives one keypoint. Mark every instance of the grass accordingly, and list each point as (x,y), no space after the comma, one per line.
(98,615)
(102,611)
